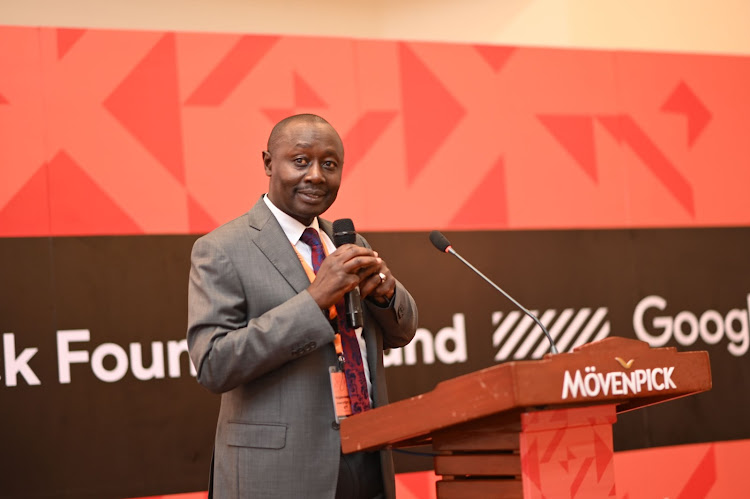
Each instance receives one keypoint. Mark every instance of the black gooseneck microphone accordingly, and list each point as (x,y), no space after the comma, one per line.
(442,244)
(344,233)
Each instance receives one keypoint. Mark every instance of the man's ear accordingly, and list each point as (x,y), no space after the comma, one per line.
(267,162)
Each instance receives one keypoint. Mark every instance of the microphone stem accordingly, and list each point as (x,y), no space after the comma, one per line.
(553,348)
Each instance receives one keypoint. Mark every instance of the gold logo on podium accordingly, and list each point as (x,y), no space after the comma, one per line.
(626,365)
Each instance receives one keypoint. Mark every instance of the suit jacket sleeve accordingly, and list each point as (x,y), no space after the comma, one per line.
(230,343)
(398,321)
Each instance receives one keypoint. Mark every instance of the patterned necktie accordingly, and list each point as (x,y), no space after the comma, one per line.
(354,372)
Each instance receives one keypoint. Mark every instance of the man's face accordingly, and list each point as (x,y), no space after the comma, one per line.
(304,166)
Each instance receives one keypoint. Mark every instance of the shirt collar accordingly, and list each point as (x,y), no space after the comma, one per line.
(291,227)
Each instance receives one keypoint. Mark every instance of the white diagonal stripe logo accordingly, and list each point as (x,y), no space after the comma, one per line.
(570,328)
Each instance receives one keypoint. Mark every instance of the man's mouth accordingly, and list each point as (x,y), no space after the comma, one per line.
(312,196)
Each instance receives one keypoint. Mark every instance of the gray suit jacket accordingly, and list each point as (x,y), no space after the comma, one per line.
(257,337)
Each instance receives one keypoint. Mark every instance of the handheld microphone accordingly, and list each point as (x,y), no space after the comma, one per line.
(442,244)
(344,233)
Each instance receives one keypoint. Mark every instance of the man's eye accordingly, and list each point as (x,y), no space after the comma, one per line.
(329,164)
(300,161)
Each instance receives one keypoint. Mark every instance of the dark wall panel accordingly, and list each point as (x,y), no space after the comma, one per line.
(124,425)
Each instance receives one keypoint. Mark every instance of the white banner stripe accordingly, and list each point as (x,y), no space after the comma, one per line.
(510,320)
(573,328)
(554,331)
(535,333)
(591,327)
(603,333)
(516,336)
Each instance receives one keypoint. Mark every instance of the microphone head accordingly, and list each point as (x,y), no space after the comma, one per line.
(343,232)
(439,241)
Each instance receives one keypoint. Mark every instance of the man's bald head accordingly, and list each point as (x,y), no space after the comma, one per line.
(278,131)
(304,162)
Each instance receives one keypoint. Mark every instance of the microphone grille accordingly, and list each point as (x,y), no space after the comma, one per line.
(343,232)
(439,240)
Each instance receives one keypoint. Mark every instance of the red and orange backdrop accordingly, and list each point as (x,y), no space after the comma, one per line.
(587,181)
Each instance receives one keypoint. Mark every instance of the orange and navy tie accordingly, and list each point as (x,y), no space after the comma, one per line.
(354,372)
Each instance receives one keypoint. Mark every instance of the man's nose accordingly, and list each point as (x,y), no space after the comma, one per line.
(315,172)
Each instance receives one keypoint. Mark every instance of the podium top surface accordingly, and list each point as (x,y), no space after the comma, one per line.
(626,372)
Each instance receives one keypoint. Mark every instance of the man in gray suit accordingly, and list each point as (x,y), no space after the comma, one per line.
(260,334)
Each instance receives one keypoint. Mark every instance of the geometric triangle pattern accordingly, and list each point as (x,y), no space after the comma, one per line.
(200,221)
(568,453)
(361,137)
(496,57)
(229,72)
(27,213)
(147,103)
(431,113)
(626,131)
(683,101)
(487,207)
(703,478)
(576,135)
(305,98)
(694,471)
(472,137)
(78,206)
(66,38)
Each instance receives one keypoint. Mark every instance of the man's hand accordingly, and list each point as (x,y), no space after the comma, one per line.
(379,285)
(342,271)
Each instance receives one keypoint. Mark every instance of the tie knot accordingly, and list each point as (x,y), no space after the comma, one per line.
(311,238)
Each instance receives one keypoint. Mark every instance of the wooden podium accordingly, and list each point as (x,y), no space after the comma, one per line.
(532,429)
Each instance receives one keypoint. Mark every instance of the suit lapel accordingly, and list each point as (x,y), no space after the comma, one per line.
(274,244)
(326,227)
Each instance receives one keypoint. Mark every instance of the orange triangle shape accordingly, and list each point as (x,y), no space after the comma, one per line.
(66,38)
(199,221)
(305,96)
(27,212)
(78,206)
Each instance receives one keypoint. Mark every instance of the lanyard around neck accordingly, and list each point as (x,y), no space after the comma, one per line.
(332,314)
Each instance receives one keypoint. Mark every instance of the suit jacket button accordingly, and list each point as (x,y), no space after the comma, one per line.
(400,312)
(335,425)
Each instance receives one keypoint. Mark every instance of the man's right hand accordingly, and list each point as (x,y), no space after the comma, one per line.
(341,272)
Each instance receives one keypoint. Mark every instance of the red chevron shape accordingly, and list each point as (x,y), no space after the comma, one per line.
(575,133)
(580,475)
(430,111)
(304,95)
(530,462)
(305,98)
(604,454)
(487,206)
(362,136)
(147,104)
(27,213)
(239,61)
(624,129)
(702,479)
(553,444)
(78,206)
(199,221)
(495,56)
(66,38)
(683,101)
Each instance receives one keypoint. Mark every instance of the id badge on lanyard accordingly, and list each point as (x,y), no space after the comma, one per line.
(342,406)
